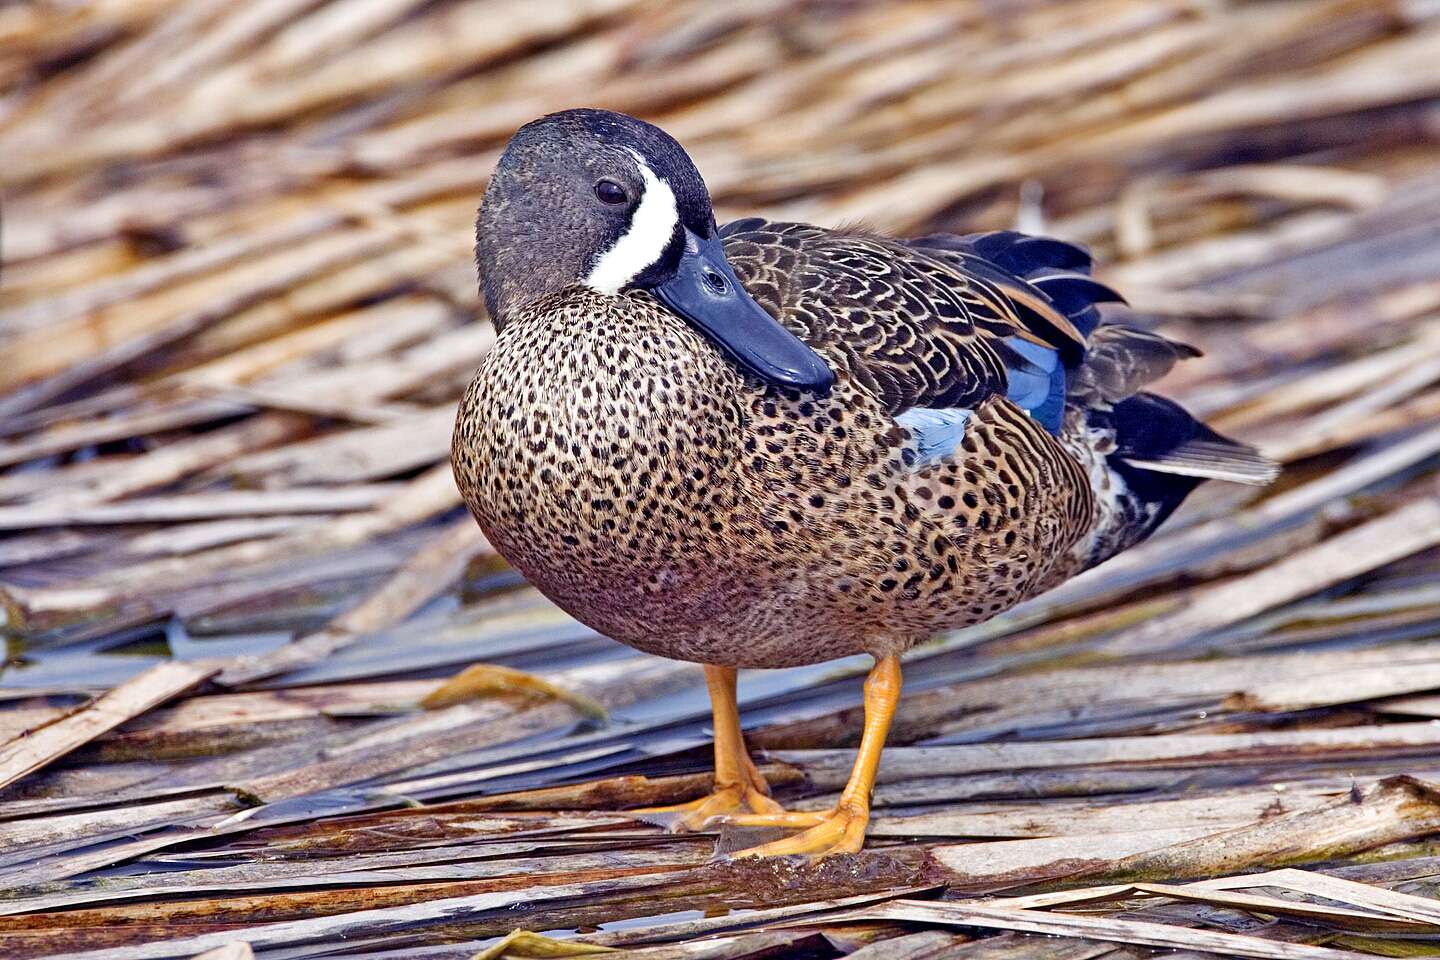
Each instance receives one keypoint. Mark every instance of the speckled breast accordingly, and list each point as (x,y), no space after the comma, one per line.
(598,447)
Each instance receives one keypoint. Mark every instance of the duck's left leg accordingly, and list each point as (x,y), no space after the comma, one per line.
(738,784)
(841,830)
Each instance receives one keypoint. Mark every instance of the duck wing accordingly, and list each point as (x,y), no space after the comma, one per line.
(940,323)
(937,325)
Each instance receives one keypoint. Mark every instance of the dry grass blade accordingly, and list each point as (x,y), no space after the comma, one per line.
(33,749)
(232,951)
(201,506)
(1099,928)
(1217,893)
(1412,908)
(1394,810)
(1408,530)
(433,568)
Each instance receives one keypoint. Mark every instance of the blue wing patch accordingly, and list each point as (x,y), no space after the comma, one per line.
(1037,383)
(934,434)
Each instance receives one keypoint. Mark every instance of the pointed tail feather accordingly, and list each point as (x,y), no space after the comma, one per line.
(1158,435)
(1212,459)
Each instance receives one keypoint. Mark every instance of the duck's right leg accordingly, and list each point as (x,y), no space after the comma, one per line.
(738,786)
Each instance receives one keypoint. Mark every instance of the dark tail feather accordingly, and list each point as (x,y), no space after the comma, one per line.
(1163,453)
(1121,361)
(1077,295)
(1023,255)
(1158,435)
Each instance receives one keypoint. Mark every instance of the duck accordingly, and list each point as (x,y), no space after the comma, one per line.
(768,444)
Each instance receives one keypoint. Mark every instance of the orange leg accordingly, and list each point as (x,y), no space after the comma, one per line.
(738,784)
(841,830)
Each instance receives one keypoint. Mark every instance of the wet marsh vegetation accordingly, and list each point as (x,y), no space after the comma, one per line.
(237,308)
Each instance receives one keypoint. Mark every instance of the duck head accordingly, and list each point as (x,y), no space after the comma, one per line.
(602,200)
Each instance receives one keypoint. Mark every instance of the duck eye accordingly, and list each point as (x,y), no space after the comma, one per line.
(611,192)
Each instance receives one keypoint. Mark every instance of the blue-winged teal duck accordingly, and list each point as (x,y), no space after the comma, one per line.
(768,444)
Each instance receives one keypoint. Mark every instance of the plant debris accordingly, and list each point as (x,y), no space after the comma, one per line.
(238,307)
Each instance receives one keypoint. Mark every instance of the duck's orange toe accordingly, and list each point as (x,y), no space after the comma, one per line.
(841,830)
(725,802)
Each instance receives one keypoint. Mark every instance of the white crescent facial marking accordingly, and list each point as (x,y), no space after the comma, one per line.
(651,227)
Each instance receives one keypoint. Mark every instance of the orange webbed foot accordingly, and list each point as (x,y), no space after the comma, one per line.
(841,830)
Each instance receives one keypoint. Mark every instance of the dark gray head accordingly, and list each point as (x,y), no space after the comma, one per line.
(605,201)
(569,189)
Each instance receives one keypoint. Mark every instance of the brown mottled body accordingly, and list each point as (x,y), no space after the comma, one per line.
(657,494)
